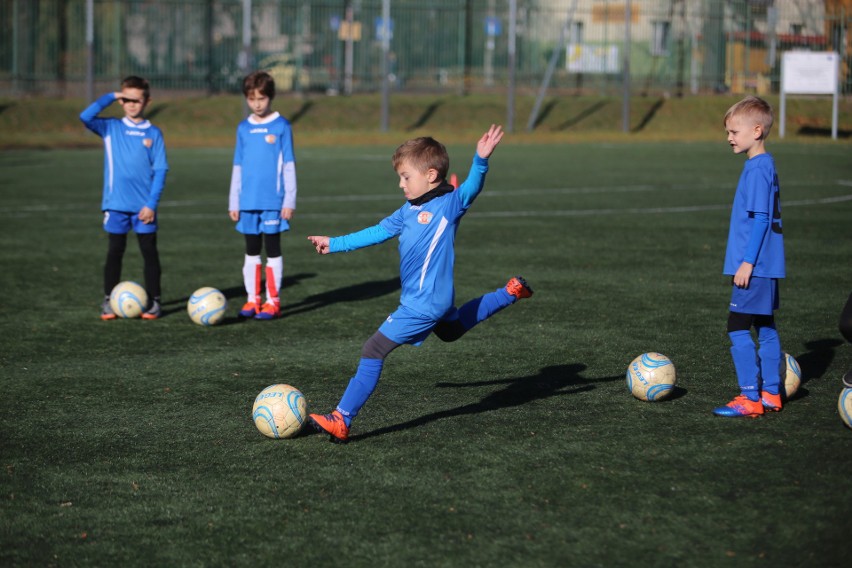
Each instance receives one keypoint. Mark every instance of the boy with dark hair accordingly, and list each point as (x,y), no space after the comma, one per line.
(263,193)
(426,226)
(135,169)
(755,260)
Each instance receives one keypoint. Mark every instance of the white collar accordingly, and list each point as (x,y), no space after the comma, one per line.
(269,118)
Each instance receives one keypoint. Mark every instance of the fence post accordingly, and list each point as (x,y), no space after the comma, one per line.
(90,50)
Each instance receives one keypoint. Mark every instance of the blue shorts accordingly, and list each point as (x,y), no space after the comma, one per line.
(760,298)
(262,222)
(120,223)
(405,326)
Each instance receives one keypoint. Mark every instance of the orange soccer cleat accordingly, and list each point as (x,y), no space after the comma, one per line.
(740,406)
(333,425)
(771,402)
(518,287)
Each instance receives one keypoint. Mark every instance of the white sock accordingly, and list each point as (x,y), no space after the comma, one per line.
(277,266)
(250,277)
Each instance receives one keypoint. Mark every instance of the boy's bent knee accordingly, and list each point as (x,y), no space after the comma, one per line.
(378,346)
(449,330)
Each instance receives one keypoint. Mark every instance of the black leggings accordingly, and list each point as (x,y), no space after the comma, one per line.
(254,244)
(150,257)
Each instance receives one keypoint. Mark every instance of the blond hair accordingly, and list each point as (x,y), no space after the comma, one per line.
(755,109)
(422,154)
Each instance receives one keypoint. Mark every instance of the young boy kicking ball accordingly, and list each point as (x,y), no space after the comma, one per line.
(426,226)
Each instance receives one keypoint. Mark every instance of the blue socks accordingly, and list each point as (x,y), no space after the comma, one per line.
(361,386)
(745,363)
(482,308)
(770,359)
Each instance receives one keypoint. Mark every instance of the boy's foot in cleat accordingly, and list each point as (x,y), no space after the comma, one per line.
(518,287)
(332,424)
(740,406)
(249,310)
(268,312)
(106,311)
(771,402)
(153,312)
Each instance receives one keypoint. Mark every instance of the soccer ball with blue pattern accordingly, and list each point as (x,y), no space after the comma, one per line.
(280,411)
(844,406)
(651,377)
(128,299)
(791,376)
(206,306)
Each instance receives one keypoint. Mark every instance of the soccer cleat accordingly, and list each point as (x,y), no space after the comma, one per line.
(153,312)
(771,402)
(333,425)
(249,310)
(106,311)
(740,406)
(518,287)
(269,311)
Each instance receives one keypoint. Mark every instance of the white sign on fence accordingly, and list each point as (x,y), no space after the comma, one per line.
(809,73)
(582,58)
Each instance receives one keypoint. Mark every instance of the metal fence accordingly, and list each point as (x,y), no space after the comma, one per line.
(676,46)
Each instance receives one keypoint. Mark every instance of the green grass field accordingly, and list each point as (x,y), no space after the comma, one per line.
(131,442)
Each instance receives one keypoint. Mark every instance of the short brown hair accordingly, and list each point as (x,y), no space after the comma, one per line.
(423,153)
(754,108)
(260,81)
(134,82)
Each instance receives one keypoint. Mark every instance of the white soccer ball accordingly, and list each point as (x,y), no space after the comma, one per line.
(207,306)
(844,406)
(279,411)
(791,376)
(128,299)
(651,377)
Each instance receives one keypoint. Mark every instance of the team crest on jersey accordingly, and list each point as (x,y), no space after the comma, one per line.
(270,138)
(424,217)
(147,142)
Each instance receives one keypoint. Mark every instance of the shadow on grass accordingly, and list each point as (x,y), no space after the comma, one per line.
(544,113)
(557,380)
(818,358)
(649,116)
(427,114)
(815,362)
(155,110)
(583,115)
(303,110)
(823,132)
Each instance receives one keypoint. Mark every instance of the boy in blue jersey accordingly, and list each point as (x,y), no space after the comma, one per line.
(755,260)
(263,193)
(426,226)
(135,169)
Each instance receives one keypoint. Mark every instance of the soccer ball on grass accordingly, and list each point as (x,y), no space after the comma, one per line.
(207,306)
(128,299)
(279,411)
(651,377)
(791,376)
(844,406)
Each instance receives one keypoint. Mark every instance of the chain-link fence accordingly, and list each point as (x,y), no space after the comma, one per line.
(457,46)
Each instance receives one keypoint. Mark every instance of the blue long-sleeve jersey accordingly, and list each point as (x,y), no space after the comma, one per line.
(427,235)
(757,199)
(264,174)
(135,162)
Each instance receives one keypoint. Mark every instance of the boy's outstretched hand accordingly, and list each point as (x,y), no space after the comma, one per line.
(489,141)
(320,243)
